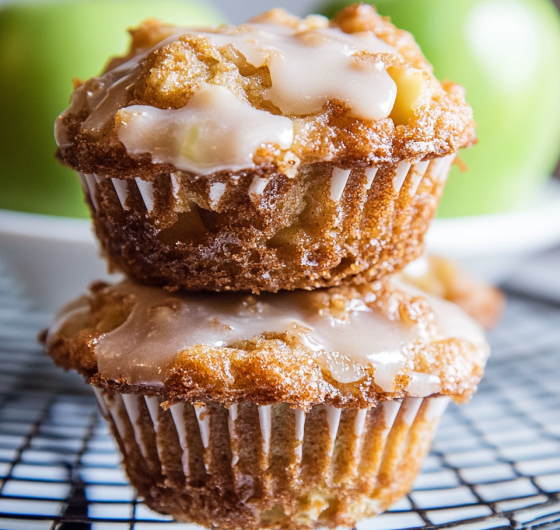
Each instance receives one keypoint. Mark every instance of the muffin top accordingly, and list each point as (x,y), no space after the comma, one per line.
(279,91)
(349,346)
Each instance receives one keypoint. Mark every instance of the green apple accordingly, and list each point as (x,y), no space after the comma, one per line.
(43,45)
(507,55)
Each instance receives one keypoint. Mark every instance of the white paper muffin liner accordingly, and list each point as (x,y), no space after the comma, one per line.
(271,466)
(438,169)
(262,231)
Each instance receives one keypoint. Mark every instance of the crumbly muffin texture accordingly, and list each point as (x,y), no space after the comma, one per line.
(276,367)
(424,123)
(257,411)
(292,236)
(259,434)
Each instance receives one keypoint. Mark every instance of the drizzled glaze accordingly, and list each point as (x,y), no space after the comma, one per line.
(308,66)
(161,325)
(214,131)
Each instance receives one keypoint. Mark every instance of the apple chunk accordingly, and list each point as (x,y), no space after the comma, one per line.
(413,89)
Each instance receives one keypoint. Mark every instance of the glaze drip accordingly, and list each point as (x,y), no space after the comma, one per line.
(161,325)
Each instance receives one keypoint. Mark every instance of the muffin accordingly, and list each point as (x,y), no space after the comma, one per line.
(442,277)
(294,410)
(343,140)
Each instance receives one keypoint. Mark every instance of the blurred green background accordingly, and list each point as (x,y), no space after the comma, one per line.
(505,52)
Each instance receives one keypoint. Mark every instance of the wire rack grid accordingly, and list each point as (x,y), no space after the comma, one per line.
(495,462)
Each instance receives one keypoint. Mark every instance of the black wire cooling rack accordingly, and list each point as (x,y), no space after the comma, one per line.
(495,462)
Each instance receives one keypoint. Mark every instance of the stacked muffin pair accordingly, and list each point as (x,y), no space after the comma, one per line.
(259,185)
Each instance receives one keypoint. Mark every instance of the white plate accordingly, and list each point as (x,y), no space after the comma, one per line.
(55,258)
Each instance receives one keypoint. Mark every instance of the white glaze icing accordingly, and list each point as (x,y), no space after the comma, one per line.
(162,324)
(103,96)
(114,99)
(423,384)
(215,131)
(320,65)
(308,66)
(453,322)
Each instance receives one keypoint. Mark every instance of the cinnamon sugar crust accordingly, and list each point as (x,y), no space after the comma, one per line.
(272,367)
(232,477)
(292,236)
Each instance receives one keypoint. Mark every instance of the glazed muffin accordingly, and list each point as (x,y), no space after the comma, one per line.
(280,154)
(444,278)
(294,410)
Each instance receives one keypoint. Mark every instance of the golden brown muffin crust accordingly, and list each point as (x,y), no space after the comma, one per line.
(273,367)
(294,237)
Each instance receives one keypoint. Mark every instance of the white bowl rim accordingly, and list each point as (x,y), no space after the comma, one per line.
(47,227)
(522,231)
(498,233)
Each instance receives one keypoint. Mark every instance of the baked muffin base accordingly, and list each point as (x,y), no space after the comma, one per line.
(271,467)
(262,231)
